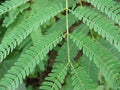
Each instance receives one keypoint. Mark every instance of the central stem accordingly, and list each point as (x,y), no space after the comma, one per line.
(68,43)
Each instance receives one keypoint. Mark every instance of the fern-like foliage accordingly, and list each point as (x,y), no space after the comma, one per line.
(81,79)
(60,44)
(13,14)
(61,22)
(112,49)
(90,67)
(21,31)
(100,24)
(28,60)
(107,7)
(56,78)
(107,63)
(9,5)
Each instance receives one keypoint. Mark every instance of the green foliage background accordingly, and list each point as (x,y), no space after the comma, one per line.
(59,45)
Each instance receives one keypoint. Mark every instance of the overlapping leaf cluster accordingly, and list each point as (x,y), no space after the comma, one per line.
(94,43)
